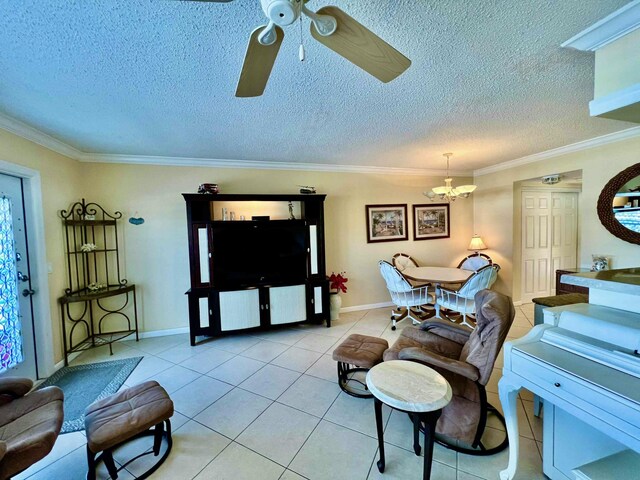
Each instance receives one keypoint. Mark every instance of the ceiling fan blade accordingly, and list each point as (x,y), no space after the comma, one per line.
(258,62)
(361,46)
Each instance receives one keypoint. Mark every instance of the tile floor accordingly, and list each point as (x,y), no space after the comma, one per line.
(266,406)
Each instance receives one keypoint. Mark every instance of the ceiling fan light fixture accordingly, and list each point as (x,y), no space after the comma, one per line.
(329,26)
(281,12)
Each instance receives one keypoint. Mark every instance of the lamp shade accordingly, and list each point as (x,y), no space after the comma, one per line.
(477,244)
(466,189)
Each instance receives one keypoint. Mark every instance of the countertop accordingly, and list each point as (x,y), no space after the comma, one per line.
(623,280)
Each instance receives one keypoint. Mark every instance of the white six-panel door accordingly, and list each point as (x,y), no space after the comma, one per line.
(564,242)
(549,239)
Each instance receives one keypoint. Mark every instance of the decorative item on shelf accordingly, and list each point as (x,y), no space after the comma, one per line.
(291,215)
(599,262)
(94,287)
(88,247)
(89,217)
(447,191)
(337,284)
(225,214)
(307,190)
(476,244)
(232,216)
(211,188)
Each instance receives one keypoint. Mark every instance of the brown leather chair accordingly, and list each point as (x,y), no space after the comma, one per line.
(29,424)
(466,359)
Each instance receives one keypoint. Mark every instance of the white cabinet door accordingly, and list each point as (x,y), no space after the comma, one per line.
(239,309)
(288,304)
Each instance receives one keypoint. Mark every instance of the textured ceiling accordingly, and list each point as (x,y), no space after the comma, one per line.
(488,82)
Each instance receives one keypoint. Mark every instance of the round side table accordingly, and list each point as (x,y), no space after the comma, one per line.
(415,389)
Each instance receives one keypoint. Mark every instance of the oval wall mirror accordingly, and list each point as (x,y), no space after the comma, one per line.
(619,205)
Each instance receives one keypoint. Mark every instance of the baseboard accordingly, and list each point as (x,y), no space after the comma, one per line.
(517,303)
(60,364)
(357,308)
(163,333)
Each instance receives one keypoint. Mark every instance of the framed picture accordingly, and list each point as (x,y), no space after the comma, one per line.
(386,223)
(431,221)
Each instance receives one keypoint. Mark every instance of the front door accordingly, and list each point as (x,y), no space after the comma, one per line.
(17,340)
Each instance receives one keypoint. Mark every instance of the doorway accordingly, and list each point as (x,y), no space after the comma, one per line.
(18,351)
(549,238)
(37,271)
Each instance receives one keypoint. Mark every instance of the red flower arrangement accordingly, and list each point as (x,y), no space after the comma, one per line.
(337,282)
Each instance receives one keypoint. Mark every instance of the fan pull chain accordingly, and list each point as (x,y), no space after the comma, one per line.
(301,50)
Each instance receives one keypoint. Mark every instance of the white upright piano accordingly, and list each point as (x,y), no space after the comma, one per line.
(584,362)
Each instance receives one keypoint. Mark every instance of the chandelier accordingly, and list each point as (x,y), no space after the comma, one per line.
(447,191)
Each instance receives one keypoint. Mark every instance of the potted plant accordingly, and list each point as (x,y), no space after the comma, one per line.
(337,284)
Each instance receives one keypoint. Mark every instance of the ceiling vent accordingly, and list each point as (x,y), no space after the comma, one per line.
(551,179)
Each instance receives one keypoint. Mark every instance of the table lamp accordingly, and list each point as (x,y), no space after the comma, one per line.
(477,244)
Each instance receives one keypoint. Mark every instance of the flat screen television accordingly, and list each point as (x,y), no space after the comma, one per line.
(258,253)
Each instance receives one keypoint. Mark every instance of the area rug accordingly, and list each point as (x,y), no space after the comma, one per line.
(84,384)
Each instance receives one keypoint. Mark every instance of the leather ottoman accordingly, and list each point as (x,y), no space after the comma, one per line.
(358,353)
(124,416)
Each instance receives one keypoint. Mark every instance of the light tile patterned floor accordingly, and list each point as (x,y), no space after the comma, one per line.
(267,406)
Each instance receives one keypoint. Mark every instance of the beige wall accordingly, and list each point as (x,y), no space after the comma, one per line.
(61,184)
(617,65)
(494,205)
(156,252)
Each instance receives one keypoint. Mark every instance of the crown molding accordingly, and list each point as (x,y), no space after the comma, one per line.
(614,101)
(607,30)
(614,137)
(262,165)
(34,135)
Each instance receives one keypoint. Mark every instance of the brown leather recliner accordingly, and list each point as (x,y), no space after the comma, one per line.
(466,359)
(29,424)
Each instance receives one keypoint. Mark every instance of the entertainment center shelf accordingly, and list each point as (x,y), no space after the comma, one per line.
(251,274)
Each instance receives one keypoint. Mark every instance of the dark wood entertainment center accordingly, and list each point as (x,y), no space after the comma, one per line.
(258,301)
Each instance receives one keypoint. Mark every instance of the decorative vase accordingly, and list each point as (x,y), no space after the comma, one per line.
(335,302)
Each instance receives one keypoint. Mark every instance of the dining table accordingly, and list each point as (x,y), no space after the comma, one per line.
(438,275)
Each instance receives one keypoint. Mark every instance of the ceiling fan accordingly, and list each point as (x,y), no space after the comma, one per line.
(330,26)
